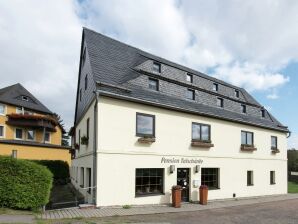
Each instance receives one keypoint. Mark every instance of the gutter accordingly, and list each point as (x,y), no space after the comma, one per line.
(95,144)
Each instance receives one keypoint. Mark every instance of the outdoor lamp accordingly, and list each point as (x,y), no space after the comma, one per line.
(197,168)
(172,169)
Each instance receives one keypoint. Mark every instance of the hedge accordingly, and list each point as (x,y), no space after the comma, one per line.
(59,168)
(23,184)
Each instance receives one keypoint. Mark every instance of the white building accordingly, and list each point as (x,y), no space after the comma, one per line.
(144,124)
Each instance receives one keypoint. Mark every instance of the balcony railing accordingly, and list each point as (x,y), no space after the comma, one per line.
(32,121)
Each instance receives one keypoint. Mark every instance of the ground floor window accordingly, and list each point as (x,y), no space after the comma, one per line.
(82,177)
(89,180)
(272,177)
(250,181)
(149,181)
(210,177)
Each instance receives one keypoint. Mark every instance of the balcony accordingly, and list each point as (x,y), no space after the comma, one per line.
(32,121)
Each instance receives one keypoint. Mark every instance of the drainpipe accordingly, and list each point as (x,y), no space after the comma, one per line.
(95,149)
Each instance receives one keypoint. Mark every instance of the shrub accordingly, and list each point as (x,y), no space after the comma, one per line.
(23,184)
(59,168)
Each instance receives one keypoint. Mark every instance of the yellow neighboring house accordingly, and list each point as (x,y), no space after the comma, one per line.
(28,129)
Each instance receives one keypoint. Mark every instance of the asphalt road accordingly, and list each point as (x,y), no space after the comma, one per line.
(282,212)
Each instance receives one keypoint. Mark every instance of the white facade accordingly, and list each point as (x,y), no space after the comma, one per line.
(119,154)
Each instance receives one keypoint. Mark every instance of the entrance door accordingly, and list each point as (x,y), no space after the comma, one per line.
(183,181)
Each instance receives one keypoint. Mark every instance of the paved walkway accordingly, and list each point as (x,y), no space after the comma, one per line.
(156,209)
(17,218)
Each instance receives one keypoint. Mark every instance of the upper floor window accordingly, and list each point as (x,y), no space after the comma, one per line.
(189,78)
(247,138)
(47,137)
(30,135)
(1,131)
(2,109)
(220,102)
(200,132)
(80,94)
(86,81)
(190,94)
(273,142)
(215,87)
(19,133)
(19,110)
(243,109)
(156,67)
(153,84)
(145,125)
(237,93)
(263,113)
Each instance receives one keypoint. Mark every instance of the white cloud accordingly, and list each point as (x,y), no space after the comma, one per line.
(293,142)
(40,46)
(272,96)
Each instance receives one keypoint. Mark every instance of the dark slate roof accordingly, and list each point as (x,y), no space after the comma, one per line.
(113,62)
(13,95)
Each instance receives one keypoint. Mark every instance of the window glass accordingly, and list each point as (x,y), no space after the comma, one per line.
(263,113)
(153,84)
(30,134)
(196,130)
(249,139)
(145,125)
(86,82)
(273,142)
(272,177)
(19,133)
(237,93)
(210,177)
(19,110)
(2,109)
(149,181)
(47,137)
(219,102)
(215,87)
(243,138)
(1,131)
(189,78)
(190,94)
(205,132)
(249,178)
(156,67)
(243,108)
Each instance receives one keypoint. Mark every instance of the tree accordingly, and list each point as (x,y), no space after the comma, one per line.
(292,160)
(65,137)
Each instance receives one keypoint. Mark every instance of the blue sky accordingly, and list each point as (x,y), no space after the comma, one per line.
(252,44)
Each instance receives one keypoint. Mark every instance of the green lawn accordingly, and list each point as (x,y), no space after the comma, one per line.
(292,187)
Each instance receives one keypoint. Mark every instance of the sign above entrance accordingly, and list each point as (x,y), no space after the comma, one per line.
(181,160)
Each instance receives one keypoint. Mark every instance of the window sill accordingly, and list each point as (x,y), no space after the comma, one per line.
(248,148)
(201,144)
(148,195)
(146,140)
(273,184)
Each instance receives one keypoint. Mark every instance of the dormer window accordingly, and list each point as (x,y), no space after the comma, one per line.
(190,94)
(263,113)
(84,56)
(86,81)
(25,98)
(215,87)
(243,109)
(189,78)
(153,84)
(220,102)
(156,67)
(237,93)
(80,94)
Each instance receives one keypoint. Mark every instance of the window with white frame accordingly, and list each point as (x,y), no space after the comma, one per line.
(2,109)
(30,135)
(19,110)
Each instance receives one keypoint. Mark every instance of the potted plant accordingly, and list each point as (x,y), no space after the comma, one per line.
(84,140)
(176,196)
(203,194)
